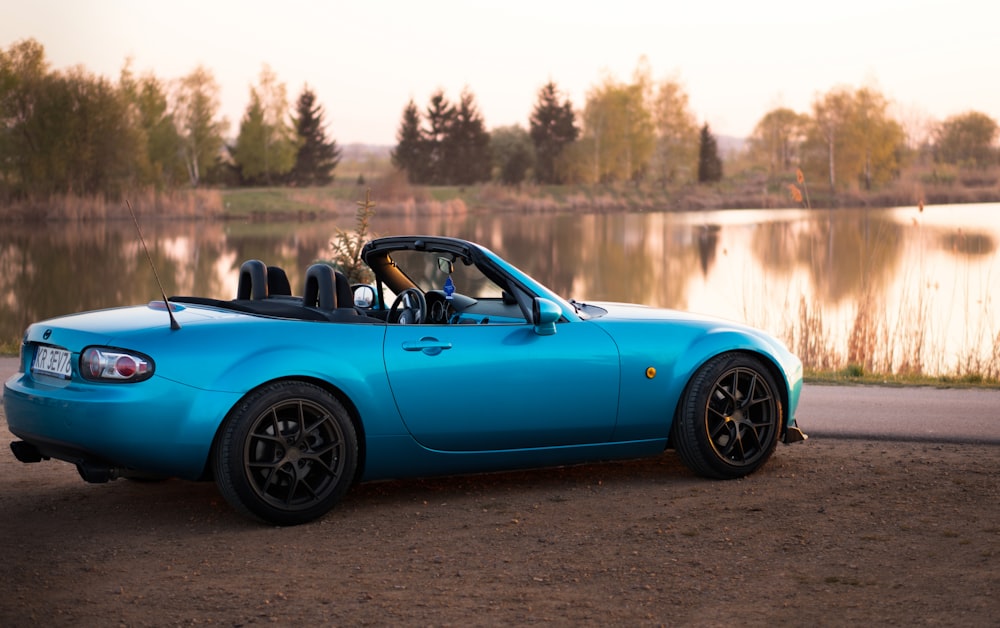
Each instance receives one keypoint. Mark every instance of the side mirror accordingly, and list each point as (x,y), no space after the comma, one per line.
(544,316)
(364,295)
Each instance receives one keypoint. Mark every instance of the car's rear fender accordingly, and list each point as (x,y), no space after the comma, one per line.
(341,395)
(358,376)
(354,373)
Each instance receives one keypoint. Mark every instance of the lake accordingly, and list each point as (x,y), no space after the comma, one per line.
(898,289)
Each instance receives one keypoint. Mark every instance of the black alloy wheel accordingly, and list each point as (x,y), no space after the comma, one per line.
(287,453)
(729,418)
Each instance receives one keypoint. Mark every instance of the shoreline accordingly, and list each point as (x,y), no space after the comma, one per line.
(276,204)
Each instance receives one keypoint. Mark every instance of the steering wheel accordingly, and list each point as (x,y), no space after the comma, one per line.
(414,307)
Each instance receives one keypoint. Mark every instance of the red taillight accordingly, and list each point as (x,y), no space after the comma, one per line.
(125,366)
(114,365)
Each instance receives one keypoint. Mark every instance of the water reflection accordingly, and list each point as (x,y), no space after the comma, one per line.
(971,244)
(843,253)
(836,281)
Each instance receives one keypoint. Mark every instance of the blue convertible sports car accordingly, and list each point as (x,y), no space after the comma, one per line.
(451,361)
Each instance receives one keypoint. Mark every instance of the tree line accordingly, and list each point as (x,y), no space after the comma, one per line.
(850,140)
(616,138)
(71,132)
(644,131)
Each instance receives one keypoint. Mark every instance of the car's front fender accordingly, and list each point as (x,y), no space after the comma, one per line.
(659,359)
(786,367)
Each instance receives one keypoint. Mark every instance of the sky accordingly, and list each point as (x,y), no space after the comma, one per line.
(365,59)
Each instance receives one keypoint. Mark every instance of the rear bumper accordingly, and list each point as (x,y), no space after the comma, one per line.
(157,426)
(91,469)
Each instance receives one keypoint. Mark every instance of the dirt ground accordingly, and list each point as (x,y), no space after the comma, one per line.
(829,532)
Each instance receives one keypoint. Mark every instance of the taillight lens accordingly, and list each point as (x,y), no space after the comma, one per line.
(114,365)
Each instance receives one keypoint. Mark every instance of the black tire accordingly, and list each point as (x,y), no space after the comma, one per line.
(286,454)
(729,418)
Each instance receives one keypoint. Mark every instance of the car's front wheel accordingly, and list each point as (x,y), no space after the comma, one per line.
(286,454)
(729,418)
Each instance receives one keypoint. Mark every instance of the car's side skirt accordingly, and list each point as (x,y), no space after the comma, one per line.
(400,456)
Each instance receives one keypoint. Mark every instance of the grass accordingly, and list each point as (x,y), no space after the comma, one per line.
(744,190)
(854,375)
(289,203)
(395,196)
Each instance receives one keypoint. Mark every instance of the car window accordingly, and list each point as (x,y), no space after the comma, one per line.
(422,269)
(476,298)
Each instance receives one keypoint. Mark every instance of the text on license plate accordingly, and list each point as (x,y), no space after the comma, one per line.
(52,361)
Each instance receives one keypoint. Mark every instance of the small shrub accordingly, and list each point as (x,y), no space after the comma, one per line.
(854,370)
(347,245)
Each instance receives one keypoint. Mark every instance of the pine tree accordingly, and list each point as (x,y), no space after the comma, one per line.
(440,119)
(410,154)
(467,147)
(248,153)
(451,147)
(709,164)
(553,126)
(317,157)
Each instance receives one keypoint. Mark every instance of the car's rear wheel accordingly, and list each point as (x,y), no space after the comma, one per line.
(286,454)
(729,418)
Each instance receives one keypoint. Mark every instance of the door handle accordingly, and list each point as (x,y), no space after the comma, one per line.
(430,346)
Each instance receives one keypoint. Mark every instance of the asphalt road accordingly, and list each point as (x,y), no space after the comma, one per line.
(946,415)
(904,413)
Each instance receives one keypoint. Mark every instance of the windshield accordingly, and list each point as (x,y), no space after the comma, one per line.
(422,268)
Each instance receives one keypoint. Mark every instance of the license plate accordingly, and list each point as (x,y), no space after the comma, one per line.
(52,361)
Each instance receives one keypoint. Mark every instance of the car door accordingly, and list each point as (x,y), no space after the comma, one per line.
(495,387)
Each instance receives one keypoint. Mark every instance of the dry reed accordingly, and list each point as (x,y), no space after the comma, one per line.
(148,203)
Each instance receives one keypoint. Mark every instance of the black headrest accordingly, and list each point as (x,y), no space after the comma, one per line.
(320,288)
(277,282)
(253,280)
(345,296)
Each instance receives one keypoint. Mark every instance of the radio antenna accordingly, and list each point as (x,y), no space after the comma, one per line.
(173,321)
